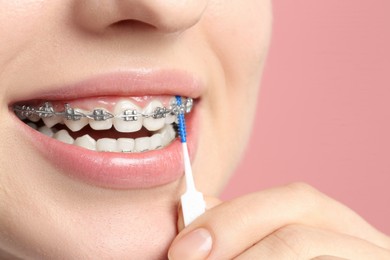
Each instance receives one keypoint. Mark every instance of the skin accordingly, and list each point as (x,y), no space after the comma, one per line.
(45,215)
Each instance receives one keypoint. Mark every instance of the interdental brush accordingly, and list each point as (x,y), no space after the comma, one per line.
(192,201)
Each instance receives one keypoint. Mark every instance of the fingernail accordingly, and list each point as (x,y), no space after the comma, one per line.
(194,245)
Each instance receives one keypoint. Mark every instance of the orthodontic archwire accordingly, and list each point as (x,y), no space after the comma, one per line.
(192,201)
(47,110)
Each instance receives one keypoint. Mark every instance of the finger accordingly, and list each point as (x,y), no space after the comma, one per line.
(236,225)
(303,242)
(211,202)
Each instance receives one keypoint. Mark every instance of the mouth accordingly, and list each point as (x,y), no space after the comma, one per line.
(117,125)
(123,141)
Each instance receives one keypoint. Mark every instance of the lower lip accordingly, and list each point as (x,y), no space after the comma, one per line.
(116,170)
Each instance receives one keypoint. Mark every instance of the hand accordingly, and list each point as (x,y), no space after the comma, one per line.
(291,222)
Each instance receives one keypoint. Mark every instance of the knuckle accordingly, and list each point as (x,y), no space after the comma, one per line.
(301,188)
(304,194)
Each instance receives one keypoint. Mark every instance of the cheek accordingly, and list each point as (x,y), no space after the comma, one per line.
(238,35)
(241,39)
(23,25)
(18,24)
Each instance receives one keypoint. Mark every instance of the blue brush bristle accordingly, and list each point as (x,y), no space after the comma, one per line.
(182,123)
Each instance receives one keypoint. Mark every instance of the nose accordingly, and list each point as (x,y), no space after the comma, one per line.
(167,16)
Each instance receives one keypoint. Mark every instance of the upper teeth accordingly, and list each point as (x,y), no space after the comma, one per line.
(131,122)
(156,122)
(100,121)
(126,117)
(74,125)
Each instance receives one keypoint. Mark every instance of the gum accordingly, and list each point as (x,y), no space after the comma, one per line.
(109,103)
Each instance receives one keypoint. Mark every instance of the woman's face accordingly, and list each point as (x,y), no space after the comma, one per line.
(59,200)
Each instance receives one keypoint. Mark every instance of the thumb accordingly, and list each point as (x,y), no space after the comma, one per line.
(211,202)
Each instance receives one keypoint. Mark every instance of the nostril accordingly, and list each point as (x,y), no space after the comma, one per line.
(133,24)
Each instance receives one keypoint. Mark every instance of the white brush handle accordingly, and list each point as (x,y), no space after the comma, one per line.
(192,201)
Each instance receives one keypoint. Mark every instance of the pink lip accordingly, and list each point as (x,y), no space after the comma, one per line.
(121,170)
(127,83)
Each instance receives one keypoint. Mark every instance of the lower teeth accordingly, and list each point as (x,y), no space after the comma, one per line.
(157,140)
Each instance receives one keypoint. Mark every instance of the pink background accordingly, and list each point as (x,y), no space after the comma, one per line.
(324,110)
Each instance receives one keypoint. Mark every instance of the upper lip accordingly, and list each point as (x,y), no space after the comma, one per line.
(134,82)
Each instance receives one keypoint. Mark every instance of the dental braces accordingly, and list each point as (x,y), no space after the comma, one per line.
(47,110)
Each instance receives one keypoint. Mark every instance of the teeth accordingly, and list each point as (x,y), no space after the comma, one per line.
(21,116)
(34,118)
(127,117)
(100,125)
(86,141)
(106,145)
(150,123)
(46,131)
(170,118)
(77,125)
(155,141)
(142,144)
(32,125)
(125,145)
(52,121)
(64,137)
(167,135)
(131,123)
